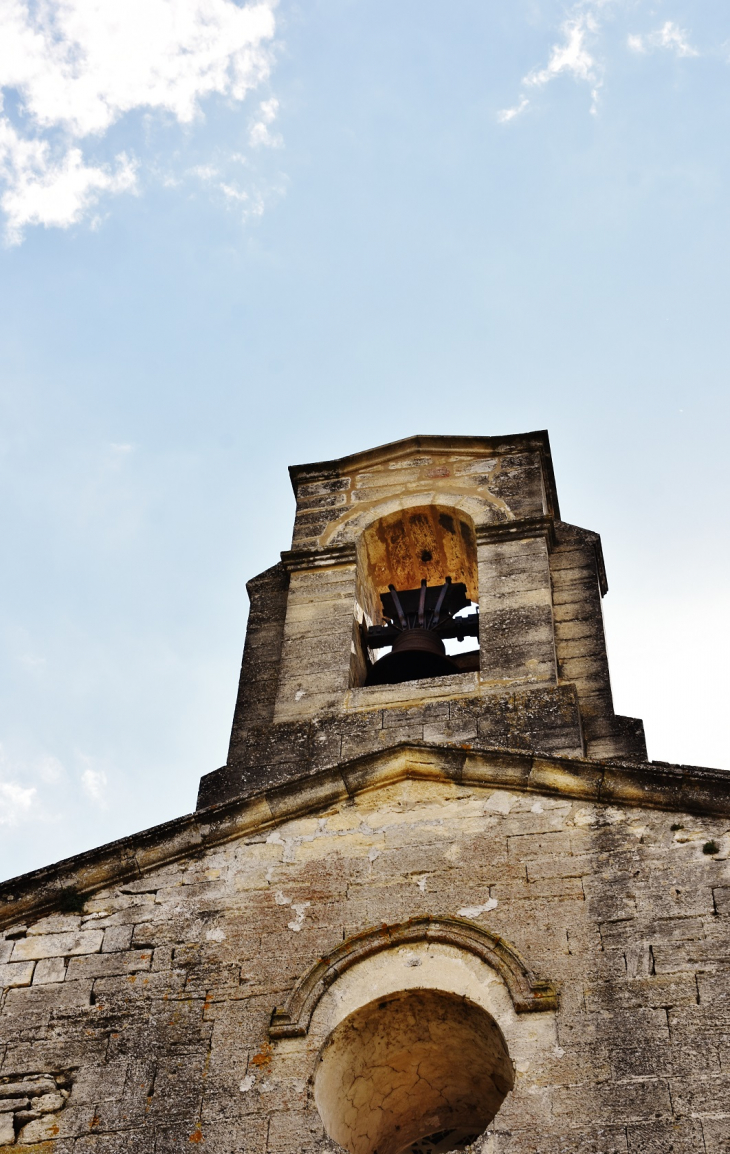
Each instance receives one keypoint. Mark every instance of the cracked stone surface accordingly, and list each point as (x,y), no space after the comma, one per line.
(414,1065)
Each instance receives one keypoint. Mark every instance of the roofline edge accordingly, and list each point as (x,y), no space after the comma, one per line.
(687,789)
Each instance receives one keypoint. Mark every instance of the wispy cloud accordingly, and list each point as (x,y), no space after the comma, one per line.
(669,36)
(507,114)
(571,56)
(260,134)
(15,802)
(243,194)
(94,782)
(21,801)
(576,53)
(74,68)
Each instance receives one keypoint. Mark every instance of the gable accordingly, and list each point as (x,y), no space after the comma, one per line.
(450,779)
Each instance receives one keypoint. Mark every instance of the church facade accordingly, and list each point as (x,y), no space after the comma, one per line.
(437,899)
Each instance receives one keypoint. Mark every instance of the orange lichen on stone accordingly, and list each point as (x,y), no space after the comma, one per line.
(264,1056)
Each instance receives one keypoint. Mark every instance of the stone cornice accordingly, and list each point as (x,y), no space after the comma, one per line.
(684,789)
(517,530)
(537,441)
(298,559)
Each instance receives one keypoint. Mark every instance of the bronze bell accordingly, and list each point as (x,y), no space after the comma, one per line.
(416,653)
(417,620)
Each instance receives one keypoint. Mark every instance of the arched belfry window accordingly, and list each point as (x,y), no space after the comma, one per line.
(418,591)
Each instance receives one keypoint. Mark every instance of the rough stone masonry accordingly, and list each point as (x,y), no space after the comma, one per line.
(462,912)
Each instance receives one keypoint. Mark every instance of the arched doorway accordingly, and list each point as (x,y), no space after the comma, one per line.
(418,1070)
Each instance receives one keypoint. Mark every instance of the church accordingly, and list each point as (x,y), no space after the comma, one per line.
(437,899)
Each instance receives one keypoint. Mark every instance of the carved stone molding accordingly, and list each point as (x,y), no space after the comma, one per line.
(529,994)
(296,559)
(517,530)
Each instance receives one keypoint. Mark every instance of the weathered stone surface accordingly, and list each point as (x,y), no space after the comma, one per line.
(513,859)
(7,1130)
(49,970)
(509,802)
(16,974)
(57,945)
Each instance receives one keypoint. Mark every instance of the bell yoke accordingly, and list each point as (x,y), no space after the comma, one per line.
(418,620)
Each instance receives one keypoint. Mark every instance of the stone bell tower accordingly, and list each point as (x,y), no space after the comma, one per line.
(480,513)
(437,900)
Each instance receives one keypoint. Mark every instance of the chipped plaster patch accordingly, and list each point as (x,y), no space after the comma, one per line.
(596,816)
(475,911)
(500,801)
(410,959)
(300,908)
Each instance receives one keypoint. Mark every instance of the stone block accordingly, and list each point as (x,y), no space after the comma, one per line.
(106,965)
(27,1088)
(701,1096)
(644,1101)
(716,1135)
(656,991)
(679,1136)
(49,970)
(117,938)
(58,945)
(721,896)
(56,924)
(16,974)
(7,1130)
(8,1105)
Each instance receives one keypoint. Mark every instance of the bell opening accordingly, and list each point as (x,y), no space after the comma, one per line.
(416,622)
(417,585)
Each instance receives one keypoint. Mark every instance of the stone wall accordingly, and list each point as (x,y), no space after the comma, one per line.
(152,1003)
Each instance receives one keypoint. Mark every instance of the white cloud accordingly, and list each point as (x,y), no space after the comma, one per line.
(575,53)
(15,802)
(94,782)
(669,36)
(508,114)
(78,66)
(571,56)
(259,133)
(50,769)
(249,200)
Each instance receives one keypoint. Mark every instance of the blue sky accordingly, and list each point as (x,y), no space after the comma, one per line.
(237,238)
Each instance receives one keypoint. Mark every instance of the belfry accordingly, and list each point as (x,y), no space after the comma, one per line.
(437,899)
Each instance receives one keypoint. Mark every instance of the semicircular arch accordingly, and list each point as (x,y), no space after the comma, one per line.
(482,510)
(528,993)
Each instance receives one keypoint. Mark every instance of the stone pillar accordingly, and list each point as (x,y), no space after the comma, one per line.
(317,650)
(517,636)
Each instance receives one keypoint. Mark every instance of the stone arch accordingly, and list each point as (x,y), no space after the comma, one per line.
(418,1070)
(528,994)
(418,538)
(431,541)
(484,509)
